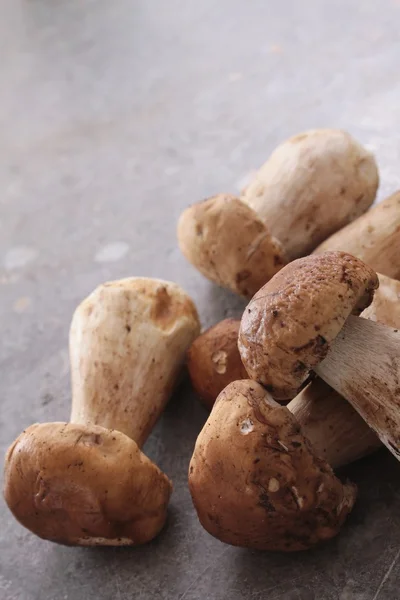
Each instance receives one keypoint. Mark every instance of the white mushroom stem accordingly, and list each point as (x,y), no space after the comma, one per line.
(337,432)
(374,237)
(363,365)
(128,341)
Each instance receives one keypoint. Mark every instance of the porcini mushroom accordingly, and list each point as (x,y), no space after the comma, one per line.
(87,482)
(257,482)
(302,320)
(374,237)
(213,360)
(312,185)
(229,244)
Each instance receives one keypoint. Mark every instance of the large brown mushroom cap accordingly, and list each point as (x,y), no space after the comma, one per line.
(84,485)
(255,480)
(214,361)
(289,325)
(229,244)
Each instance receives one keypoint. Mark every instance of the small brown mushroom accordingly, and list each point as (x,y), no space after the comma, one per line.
(374,237)
(86,482)
(312,185)
(257,482)
(301,321)
(213,360)
(227,242)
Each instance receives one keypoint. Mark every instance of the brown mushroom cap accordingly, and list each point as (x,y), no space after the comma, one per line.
(84,485)
(214,361)
(229,244)
(255,480)
(289,325)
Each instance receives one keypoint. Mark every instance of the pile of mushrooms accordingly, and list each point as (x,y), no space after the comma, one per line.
(308,380)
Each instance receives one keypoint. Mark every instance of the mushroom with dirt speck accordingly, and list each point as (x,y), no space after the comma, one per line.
(213,360)
(257,482)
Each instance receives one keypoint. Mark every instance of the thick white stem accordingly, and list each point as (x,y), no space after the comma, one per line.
(128,342)
(364,366)
(335,429)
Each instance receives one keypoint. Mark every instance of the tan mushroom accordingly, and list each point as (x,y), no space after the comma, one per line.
(374,237)
(214,361)
(229,244)
(257,482)
(86,482)
(312,185)
(301,321)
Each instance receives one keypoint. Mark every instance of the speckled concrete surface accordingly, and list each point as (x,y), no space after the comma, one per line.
(113,117)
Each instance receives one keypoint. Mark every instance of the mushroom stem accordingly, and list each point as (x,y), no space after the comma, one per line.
(128,341)
(374,237)
(363,365)
(337,432)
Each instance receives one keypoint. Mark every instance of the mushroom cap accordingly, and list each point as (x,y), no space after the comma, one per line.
(312,185)
(214,361)
(229,244)
(289,325)
(255,479)
(84,485)
(128,342)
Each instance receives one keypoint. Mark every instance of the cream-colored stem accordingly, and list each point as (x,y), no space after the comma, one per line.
(128,342)
(336,431)
(364,366)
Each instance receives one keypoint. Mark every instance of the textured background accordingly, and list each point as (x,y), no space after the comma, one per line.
(113,117)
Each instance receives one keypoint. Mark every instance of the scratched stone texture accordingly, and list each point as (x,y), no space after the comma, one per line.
(113,117)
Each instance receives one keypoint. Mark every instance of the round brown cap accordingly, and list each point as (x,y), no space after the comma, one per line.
(84,485)
(289,325)
(229,244)
(214,361)
(255,479)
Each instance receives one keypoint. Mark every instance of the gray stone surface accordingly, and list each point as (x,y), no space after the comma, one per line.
(113,117)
